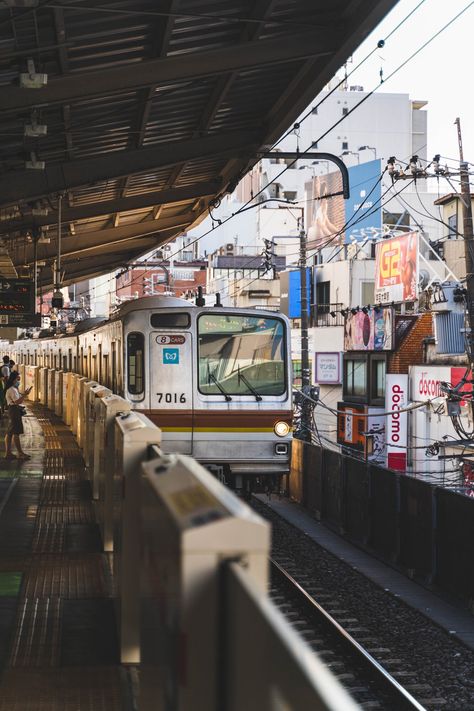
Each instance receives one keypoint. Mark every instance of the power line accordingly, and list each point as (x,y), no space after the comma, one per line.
(365,98)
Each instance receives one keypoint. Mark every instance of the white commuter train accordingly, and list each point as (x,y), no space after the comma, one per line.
(217,381)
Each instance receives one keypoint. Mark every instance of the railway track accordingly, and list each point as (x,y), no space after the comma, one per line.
(370,684)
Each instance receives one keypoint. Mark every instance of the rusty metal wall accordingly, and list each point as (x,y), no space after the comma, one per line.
(455,536)
(313,480)
(297,471)
(333,489)
(384,512)
(357,499)
(417,537)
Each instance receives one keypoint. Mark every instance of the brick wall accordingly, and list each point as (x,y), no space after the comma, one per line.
(411,349)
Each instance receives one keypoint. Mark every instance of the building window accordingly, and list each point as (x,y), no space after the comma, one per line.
(355,378)
(453,227)
(378,379)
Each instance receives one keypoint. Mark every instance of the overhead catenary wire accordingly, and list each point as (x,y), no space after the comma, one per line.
(367,96)
(403,64)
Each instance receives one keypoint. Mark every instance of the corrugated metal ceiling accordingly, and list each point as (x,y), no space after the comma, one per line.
(152,103)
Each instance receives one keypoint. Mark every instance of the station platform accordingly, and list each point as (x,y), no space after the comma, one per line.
(58,641)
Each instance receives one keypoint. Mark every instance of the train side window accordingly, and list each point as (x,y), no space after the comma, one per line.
(64,363)
(114,367)
(136,363)
(75,364)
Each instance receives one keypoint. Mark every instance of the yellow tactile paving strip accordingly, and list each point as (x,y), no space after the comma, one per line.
(54,662)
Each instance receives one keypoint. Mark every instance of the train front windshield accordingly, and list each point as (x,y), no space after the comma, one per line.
(241,355)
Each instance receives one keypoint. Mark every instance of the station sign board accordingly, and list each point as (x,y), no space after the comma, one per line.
(21,320)
(16,296)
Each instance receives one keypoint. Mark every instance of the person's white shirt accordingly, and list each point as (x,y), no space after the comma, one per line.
(5,371)
(12,395)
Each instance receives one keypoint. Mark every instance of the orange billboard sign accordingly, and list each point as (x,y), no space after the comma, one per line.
(396,269)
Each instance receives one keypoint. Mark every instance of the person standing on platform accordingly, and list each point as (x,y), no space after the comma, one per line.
(4,375)
(14,399)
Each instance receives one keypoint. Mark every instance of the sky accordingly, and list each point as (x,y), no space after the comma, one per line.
(440,74)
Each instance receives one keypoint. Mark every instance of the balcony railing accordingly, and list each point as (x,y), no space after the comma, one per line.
(328,315)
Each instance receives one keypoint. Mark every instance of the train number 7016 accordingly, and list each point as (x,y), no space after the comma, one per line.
(171,397)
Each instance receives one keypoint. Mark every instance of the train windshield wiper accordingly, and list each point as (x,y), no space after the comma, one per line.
(257,395)
(212,377)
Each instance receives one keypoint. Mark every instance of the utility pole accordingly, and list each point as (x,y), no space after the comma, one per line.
(305,373)
(36,235)
(468,240)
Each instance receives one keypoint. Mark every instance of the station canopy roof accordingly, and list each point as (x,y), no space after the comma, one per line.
(152,109)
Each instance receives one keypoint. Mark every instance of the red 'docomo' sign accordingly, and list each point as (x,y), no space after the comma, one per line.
(396,400)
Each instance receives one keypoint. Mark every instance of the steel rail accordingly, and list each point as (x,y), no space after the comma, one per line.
(386,680)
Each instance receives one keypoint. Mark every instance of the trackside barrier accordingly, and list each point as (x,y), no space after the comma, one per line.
(384,512)
(93,393)
(333,489)
(425,530)
(68,384)
(357,499)
(104,463)
(51,389)
(134,433)
(455,529)
(210,637)
(58,392)
(83,384)
(43,386)
(83,427)
(417,532)
(75,402)
(31,379)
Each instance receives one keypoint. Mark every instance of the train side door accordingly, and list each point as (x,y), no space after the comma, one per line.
(171,391)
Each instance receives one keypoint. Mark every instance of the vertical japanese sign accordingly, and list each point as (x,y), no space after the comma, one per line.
(396,399)
(396,269)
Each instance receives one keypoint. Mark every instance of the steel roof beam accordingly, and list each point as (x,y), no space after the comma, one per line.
(78,267)
(33,184)
(111,238)
(240,56)
(106,207)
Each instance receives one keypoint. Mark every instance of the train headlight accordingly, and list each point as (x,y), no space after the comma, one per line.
(281,429)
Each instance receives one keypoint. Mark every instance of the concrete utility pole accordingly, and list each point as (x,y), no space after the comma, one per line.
(468,240)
